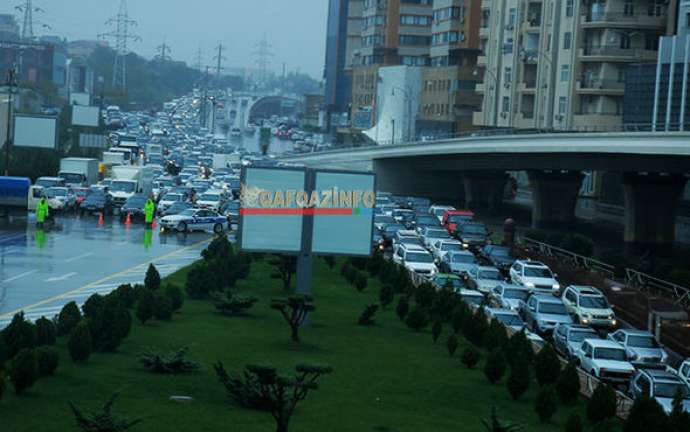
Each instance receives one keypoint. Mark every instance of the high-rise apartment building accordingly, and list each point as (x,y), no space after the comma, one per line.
(560,64)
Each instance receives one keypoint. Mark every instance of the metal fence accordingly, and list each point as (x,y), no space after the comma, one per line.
(578,261)
(649,284)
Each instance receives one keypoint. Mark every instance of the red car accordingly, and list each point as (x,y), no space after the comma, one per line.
(453,218)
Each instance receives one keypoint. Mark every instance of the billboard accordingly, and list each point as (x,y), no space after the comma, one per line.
(80,99)
(87,140)
(35,131)
(85,115)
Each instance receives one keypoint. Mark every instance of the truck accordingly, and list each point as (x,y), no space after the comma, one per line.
(114,158)
(14,196)
(225,160)
(79,171)
(128,181)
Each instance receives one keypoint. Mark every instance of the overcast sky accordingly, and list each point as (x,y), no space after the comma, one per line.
(296,29)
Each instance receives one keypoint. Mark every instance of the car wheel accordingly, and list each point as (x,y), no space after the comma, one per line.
(182,227)
(218,228)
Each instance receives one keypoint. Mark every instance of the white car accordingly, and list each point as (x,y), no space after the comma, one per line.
(588,306)
(169,199)
(641,346)
(195,220)
(210,200)
(441,247)
(605,360)
(430,235)
(684,371)
(534,275)
(416,259)
(60,198)
(439,210)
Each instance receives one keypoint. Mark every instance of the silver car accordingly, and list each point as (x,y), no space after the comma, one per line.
(567,338)
(458,262)
(484,279)
(640,346)
(543,312)
(508,296)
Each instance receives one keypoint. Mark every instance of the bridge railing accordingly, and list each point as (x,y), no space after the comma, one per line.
(652,285)
(563,255)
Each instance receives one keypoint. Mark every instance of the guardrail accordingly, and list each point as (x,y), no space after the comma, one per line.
(649,284)
(579,261)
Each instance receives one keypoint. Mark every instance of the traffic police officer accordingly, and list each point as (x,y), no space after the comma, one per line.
(41,212)
(149,209)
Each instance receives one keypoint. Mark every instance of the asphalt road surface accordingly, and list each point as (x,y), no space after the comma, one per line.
(42,270)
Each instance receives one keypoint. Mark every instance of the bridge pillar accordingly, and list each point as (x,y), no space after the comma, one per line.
(651,202)
(484,189)
(404,178)
(554,195)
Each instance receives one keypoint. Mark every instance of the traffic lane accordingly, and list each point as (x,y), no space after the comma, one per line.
(36,265)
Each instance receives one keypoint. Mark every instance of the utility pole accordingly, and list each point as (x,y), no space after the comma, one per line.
(202,109)
(263,55)
(219,58)
(199,60)
(27,9)
(163,52)
(11,84)
(121,34)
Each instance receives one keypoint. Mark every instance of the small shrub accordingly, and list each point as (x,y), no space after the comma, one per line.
(574,423)
(602,405)
(80,344)
(229,303)
(174,293)
(48,359)
(351,275)
(386,295)
(546,403)
(402,308)
(170,363)
(417,319)
(518,378)
(103,421)
(367,316)
(163,310)
(46,333)
(69,317)
(23,370)
(568,386)
(495,366)
(361,281)
(3,384)
(436,330)
(519,345)
(474,327)
(294,310)
(127,295)
(152,280)
(375,263)
(345,268)
(4,355)
(425,295)
(496,335)
(452,344)
(547,366)
(646,415)
(200,281)
(470,357)
(459,313)
(146,306)
(18,335)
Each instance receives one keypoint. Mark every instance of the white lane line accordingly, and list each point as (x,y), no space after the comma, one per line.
(76,258)
(19,276)
(61,278)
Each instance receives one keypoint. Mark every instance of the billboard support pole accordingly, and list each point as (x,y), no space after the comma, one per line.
(11,83)
(305,259)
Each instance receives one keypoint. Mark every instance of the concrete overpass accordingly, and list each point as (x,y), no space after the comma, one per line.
(655,167)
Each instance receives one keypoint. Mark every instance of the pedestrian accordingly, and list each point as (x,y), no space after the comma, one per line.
(41,212)
(149,210)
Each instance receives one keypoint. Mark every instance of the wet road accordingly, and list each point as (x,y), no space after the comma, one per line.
(40,271)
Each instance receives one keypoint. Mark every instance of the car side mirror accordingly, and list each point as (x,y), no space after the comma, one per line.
(555,275)
(588,355)
(532,308)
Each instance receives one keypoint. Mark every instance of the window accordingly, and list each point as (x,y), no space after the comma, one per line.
(508,75)
(505,107)
(511,17)
(562,108)
(628,8)
(569,8)
(414,40)
(565,73)
(418,20)
(625,41)
(508,46)
(567,40)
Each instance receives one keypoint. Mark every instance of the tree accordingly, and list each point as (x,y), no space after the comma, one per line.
(18,335)
(602,405)
(458,316)
(361,281)
(418,318)
(518,378)
(175,362)
(200,281)
(646,415)
(546,403)
(23,370)
(436,330)
(519,345)
(4,355)
(547,366)
(163,307)
(574,423)
(102,421)
(568,386)
(402,308)
(470,357)
(375,263)
(46,333)
(279,393)
(425,295)
(496,336)
(80,344)
(152,280)
(229,303)
(494,424)
(495,366)
(3,384)
(386,295)
(474,327)
(127,295)
(47,359)
(174,293)
(679,419)
(284,268)
(367,316)
(146,306)
(295,310)
(452,344)
(69,317)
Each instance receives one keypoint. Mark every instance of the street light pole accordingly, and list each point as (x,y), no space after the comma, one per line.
(11,84)
(408,99)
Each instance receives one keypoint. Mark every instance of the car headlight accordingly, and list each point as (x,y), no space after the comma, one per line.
(556,286)
(465,245)
(529,284)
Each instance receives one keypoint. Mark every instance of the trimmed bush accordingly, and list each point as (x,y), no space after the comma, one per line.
(474,327)
(146,306)
(518,378)
(386,295)
(602,405)
(375,263)
(574,423)
(496,335)
(568,386)
(458,317)
(46,333)
(175,362)
(330,261)
(646,415)
(229,303)
(495,366)
(470,357)
(546,403)
(402,308)
(417,319)
(80,344)
(361,281)
(48,359)
(19,335)
(547,366)
(163,310)
(679,419)
(519,345)
(174,293)
(436,330)
(3,384)
(425,294)
(23,370)
(4,355)
(367,316)
(69,317)
(452,344)
(127,295)
(200,281)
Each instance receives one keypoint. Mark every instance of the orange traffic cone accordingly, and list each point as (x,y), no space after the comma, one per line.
(128,221)
(153,223)
(100,218)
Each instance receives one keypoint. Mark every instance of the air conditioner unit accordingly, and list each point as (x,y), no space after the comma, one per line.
(559,117)
(504,114)
(506,85)
(509,27)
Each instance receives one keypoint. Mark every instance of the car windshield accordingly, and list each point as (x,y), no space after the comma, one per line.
(552,308)
(383,219)
(510,319)
(172,197)
(473,299)
(515,294)
(209,197)
(426,220)
(439,211)
(491,274)
(474,229)
(456,219)
(394,228)
(539,272)
(610,354)
(642,342)
(670,390)
(436,233)
(419,257)
(464,259)
(499,252)
(452,281)
(72,178)
(52,193)
(591,302)
(234,205)
(451,246)
(138,202)
(188,212)
(122,186)
(410,240)
(580,335)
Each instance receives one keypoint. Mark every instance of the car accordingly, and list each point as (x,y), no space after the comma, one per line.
(381,220)
(404,216)
(97,202)
(588,306)
(441,280)
(195,220)
(231,210)
(543,312)
(484,279)
(440,248)
(134,208)
(60,198)
(212,200)
(425,220)
(534,275)
(662,385)
(567,338)
(507,317)
(169,199)
(176,208)
(501,257)
(430,235)
(406,236)
(473,235)
(452,219)
(508,296)
(473,298)
(415,259)
(606,360)
(458,262)
(439,210)
(640,346)
(388,233)
(684,371)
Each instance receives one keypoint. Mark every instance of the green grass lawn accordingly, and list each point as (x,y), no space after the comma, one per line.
(386,377)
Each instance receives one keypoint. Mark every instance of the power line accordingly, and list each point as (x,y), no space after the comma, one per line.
(199,60)
(121,34)
(27,9)
(263,55)
(163,51)
(219,58)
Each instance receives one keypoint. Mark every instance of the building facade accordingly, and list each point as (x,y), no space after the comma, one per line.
(561,64)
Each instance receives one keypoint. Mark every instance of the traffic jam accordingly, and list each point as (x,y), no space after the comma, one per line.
(450,247)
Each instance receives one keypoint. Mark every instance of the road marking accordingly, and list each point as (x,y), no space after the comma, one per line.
(76,258)
(100,281)
(61,278)
(19,276)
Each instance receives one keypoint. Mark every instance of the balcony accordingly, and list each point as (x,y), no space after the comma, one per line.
(481,61)
(468,98)
(596,86)
(615,53)
(594,121)
(480,88)
(619,20)
(527,87)
(484,32)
